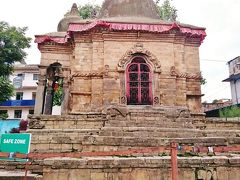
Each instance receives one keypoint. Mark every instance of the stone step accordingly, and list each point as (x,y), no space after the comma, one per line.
(60,135)
(177,123)
(146,123)
(165,132)
(106,143)
(154,142)
(142,168)
(17,175)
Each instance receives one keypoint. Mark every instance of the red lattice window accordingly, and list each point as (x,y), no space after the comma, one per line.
(139,83)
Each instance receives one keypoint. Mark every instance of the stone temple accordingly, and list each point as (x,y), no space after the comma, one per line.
(129,81)
(126,57)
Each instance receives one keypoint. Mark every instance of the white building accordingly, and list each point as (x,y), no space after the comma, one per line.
(24,79)
(234,79)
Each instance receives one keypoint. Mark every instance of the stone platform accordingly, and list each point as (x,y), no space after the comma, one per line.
(122,129)
(126,129)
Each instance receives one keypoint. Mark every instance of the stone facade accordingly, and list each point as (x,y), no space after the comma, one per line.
(94,60)
(95,69)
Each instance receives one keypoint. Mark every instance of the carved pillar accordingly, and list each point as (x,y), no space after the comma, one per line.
(48,99)
(123,98)
(65,98)
(40,97)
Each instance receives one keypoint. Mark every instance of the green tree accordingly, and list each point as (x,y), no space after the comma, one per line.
(88,11)
(166,11)
(214,101)
(231,112)
(12,44)
(6,89)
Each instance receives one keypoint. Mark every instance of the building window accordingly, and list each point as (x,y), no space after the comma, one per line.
(18,114)
(33,95)
(31,111)
(35,77)
(3,111)
(17,82)
(3,114)
(21,75)
(19,95)
(139,83)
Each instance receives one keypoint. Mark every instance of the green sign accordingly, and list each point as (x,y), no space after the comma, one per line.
(15,143)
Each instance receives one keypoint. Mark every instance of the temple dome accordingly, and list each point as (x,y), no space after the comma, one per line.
(71,17)
(128,10)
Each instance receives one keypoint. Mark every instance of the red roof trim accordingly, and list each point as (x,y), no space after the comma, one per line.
(45,38)
(158,28)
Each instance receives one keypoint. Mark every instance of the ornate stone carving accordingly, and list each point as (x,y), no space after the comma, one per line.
(106,70)
(139,49)
(35,123)
(88,74)
(99,74)
(173,71)
(196,76)
(123,100)
(114,111)
(156,100)
(177,113)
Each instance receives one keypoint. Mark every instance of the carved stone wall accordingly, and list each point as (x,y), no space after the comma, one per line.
(97,63)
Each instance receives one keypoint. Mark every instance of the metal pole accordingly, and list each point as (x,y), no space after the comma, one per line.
(174,161)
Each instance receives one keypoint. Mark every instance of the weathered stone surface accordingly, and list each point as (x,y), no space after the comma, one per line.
(133,169)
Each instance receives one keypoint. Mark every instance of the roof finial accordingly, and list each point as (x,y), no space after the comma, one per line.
(74,10)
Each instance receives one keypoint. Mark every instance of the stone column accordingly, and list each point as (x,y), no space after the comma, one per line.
(40,96)
(48,99)
(65,98)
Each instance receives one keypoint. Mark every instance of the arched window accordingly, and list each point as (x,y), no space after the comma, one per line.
(139,82)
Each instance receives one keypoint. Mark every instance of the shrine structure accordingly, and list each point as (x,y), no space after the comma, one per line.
(131,85)
(124,57)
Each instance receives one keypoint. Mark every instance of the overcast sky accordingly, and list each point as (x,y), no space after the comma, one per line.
(220,17)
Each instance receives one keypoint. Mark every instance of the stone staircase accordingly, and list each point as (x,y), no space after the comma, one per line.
(123,129)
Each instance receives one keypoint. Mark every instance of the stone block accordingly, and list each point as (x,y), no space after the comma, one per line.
(98,176)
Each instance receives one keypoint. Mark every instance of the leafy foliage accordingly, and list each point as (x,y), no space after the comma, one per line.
(88,11)
(233,111)
(166,11)
(6,89)
(214,101)
(203,81)
(58,94)
(12,44)
(3,115)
